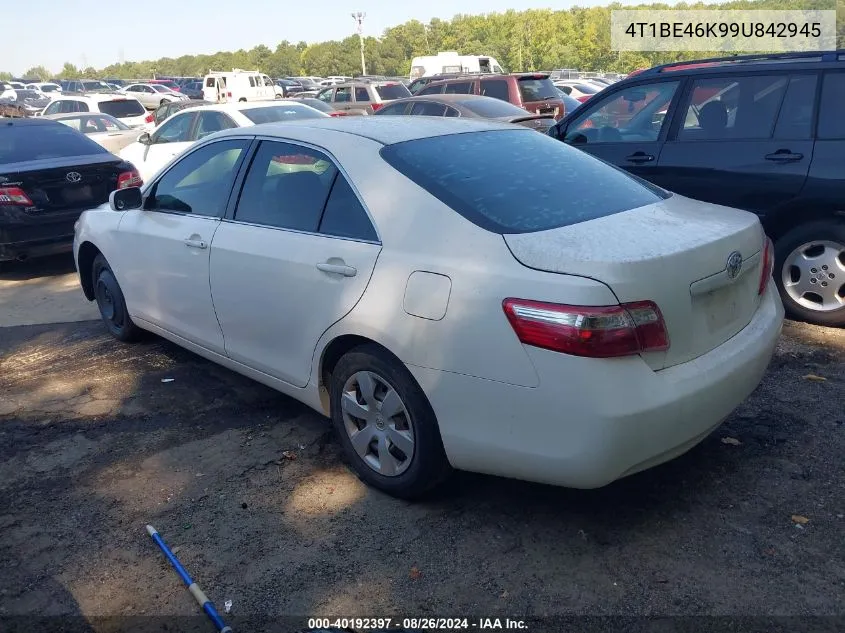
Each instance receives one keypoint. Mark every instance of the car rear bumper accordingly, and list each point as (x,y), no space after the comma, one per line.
(10,251)
(592,421)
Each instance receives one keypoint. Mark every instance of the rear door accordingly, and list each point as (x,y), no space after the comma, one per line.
(827,172)
(742,140)
(627,127)
(294,259)
(363,104)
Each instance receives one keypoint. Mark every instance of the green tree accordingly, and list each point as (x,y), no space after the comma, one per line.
(38,72)
(69,71)
(4,76)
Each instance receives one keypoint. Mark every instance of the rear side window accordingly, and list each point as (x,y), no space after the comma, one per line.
(361,94)
(20,143)
(496,88)
(122,108)
(344,216)
(392,91)
(431,90)
(276,113)
(831,121)
(459,88)
(428,108)
(796,113)
(517,181)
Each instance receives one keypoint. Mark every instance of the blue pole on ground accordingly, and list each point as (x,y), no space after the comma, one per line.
(193,587)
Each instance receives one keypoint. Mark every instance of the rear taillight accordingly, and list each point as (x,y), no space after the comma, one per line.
(149,118)
(337,113)
(14,196)
(377,106)
(595,331)
(768,266)
(129,179)
(583,98)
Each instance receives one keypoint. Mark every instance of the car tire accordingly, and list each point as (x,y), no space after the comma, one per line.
(241,100)
(111,303)
(824,242)
(375,453)
(163,102)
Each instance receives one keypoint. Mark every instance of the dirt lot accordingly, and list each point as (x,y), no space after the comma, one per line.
(98,439)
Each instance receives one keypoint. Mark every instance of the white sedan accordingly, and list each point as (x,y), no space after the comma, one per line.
(106,130)
(155,149)
(152,95)
(452,294)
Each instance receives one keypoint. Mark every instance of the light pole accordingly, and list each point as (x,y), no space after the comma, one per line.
(359,16)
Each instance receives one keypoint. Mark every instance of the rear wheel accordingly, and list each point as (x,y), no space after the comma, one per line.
(386,424)
(810,272)
(111,303)
(242,100)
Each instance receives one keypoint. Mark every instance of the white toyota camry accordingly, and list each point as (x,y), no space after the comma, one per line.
(452,294)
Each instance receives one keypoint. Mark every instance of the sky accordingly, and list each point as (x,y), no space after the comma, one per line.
(96,33)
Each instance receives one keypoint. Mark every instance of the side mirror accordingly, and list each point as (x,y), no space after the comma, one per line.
(125,199)
(145,139)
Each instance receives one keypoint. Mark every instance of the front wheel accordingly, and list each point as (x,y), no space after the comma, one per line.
(810,272)
(386,424)
(111,303)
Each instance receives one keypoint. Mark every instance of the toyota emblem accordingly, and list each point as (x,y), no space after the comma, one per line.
(734,264)
(73,176)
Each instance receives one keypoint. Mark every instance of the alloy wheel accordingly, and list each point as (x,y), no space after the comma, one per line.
(813,275)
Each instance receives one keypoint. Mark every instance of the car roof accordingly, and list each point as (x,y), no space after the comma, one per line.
(451,97)
(96,97)
(385,130)
(73,115)
(247,105)
(26,122)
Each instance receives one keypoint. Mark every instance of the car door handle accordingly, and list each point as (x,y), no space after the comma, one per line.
(784,156)
(196,243)
(639,157)
(337,269)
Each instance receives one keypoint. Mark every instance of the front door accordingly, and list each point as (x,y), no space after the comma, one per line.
(283,270)
(742,141)
(163,263)
(625,128)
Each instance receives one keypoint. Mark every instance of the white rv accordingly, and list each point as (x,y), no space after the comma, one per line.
(452,62)
(238,85)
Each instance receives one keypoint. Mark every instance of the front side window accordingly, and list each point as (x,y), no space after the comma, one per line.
(325,95)
(733,108)
(176,130)
(517,181)
(433,89)
(632,115)
(343,95)
(53,108)
(286,187)
(201,181)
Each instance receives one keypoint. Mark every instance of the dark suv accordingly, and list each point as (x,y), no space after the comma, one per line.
(763,133)
(534,92)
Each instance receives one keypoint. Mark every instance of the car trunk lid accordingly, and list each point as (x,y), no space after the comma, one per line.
(675,253)
(62,184)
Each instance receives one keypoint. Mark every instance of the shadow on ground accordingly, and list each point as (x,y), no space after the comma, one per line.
(249,487)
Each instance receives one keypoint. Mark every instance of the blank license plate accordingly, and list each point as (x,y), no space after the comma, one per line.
(79,194)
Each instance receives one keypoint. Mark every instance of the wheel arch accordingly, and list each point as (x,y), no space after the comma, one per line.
(85,263)
(333,351)
(779,224)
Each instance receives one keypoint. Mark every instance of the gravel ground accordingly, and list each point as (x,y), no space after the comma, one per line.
(99,438)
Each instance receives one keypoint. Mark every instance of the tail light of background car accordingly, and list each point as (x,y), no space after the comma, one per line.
(129,179)
(377,106)
(337,113)
(149,118)
(583,98)
(594,331)
(14,196)
(768,265)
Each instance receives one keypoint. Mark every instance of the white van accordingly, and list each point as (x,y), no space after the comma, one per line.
(238,85)
(451,62)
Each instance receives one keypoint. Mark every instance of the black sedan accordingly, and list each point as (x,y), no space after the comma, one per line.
(470,106)
(49,175)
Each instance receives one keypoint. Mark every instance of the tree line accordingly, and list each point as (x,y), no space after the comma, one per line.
(534,39)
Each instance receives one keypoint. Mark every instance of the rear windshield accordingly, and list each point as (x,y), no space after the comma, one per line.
(517,181)
(491,107)
(19,143)
(287,112)
(122,108)
(49,88)
(94,85)
(536,89)
(393,91)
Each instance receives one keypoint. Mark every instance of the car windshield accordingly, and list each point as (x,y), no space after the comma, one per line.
(534,89)
(392,91)
(160,88)
(28,94)
(19,143)
(276,113)
(490,107)
(122,108)
(518,181)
